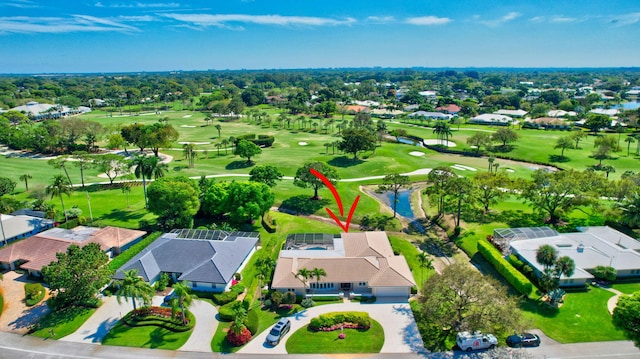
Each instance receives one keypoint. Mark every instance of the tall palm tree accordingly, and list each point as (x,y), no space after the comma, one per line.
(61,163)
(219,128)
(318,273)
(425,263)
(239,316)
(189,153)
(144,167)
(304,274)
(183,297)
(225,144)
(159,170)
(59,186)
(134,287)
(26,177)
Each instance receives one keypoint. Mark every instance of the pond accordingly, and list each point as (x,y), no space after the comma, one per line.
(404,204)
(408,141)
(628,106)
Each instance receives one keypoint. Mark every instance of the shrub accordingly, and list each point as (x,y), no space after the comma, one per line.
(605,273)
(337,320)
(253,322)
(163,282)
(225,297)
(33,293)
(527,270)
(225,312)
(326,298)
(239,339)
(267,303)
(307,303)
(521,283)
(238,288)
(289,298)
(515,261)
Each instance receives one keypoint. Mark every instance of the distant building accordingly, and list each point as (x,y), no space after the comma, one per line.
(492,119)
(430,115)
(512,113)
(21,224)
(42,111)
(451,109)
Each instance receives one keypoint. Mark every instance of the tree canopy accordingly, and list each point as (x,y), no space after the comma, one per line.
(305,179)
(77,275)
(247,149)
(175,200)
(265,174)
(356,140)
(626,315)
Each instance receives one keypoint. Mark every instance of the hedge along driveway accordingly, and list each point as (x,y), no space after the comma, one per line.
(400,330)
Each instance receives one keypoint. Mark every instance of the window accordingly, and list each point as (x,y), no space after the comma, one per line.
(195,284)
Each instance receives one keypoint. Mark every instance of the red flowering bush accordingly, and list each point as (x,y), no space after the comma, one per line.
(239,339)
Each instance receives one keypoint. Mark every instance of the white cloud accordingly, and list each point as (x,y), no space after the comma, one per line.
(142,18)
(223,20)
(560,19)
(627,19)
(75,23)
(428,20)
(499,21)
(381,19)
(138,5)
(21,4)
(537,19)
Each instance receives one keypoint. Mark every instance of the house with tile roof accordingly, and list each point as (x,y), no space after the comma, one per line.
(206,260)
(37,251)
(589,247)
(360,263)
(451,109)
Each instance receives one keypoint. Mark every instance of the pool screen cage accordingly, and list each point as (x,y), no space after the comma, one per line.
(305,240)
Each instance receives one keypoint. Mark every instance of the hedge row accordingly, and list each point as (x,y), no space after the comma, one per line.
(124,257)
(330,320)
(262,140)
(230,296)
(521,283)
(253,321)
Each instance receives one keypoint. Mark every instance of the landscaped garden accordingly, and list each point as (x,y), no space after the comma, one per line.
(151,327)
(338,332)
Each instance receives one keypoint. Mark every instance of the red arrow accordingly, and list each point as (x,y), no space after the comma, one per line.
(329,185)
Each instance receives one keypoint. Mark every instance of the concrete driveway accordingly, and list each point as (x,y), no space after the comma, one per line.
(400,330)
(17,317)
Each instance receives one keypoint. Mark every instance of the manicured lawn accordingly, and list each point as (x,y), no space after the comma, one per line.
(150,336)
(410,252)
(583,318)
(304,341)
(62,323)
(628,288)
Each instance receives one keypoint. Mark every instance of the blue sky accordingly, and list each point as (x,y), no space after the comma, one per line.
(163,35)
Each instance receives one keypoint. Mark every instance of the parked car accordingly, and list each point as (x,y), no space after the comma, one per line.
(523,340)
(475,341)
(278,331)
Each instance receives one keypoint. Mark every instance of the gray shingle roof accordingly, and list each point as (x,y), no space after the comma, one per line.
(196,260)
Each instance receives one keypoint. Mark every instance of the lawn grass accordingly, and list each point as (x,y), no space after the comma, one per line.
(583,318)
(627,288)
(304,341)
(147,336)
(62,323)
(404,246)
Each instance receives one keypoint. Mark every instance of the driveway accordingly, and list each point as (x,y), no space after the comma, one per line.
(400,330)
(206,325)
(17,317)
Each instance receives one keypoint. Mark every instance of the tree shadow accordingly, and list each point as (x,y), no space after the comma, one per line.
(344,161)
(516,218)
(302,205)
(539,307)
(238,165)
(556,158)
(122,215)
(502,149)
(179,168)
(157,338)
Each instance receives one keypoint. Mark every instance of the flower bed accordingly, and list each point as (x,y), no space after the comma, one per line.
(340,320)
(160,317)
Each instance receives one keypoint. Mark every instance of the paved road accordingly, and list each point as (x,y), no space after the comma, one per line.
(400,330)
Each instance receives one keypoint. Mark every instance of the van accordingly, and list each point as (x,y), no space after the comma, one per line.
(475,341)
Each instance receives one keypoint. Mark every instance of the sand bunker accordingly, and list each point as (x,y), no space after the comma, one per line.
(439,142)
(195,143)
(416,153)
(186,116)
(188,126)
(302,143)
(463,168)
(509,170)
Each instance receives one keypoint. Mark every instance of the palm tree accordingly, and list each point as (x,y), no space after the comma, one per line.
(133,286)
(25,177)
(145,168)
(126,189)
(629,140)
(61,163)
(425,263)
(159,170)
(546,255)
(218,146)
(304,274)
(59,186)
(239,316)
(318,273)
(491,159)
(442,131)
(630,208)
(183,298)
(218,127)
(225,144)
(189,153)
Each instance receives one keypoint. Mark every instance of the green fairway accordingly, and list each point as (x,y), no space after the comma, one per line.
(304,341)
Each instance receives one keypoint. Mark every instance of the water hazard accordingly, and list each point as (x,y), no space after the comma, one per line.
(403,206)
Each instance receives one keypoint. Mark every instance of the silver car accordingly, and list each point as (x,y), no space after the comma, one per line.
(281,328)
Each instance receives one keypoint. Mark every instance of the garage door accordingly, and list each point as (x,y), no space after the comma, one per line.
(391,291)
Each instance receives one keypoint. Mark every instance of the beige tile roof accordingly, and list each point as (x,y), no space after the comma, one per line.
(368,258)
(40,250)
